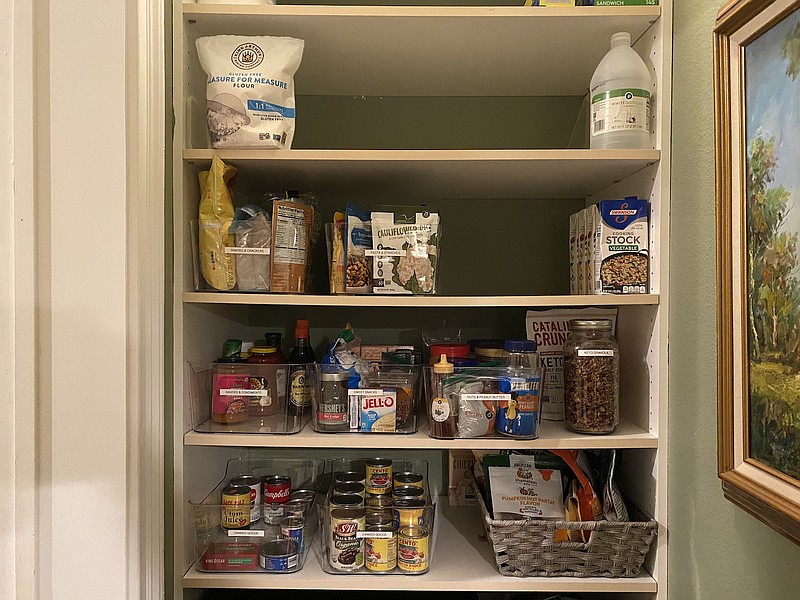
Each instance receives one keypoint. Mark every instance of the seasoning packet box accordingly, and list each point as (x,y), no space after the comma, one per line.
(621,261)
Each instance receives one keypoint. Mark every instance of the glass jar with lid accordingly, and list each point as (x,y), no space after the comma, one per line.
(591,377)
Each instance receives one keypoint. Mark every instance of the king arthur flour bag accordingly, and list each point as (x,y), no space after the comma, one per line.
(250,89)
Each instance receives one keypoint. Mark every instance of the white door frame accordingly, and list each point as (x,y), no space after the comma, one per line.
(32,44)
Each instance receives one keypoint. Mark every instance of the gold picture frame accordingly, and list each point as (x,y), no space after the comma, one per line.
(756,85)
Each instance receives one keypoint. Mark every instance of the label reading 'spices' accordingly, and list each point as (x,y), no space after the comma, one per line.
(620,110)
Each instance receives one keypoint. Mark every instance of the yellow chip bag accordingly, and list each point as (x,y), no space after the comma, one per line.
(216,215)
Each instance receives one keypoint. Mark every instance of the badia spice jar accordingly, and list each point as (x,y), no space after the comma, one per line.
(591,377)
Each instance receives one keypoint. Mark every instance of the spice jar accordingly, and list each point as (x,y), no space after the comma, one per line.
(591,377)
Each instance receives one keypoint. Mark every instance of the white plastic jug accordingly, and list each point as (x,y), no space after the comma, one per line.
(620,95)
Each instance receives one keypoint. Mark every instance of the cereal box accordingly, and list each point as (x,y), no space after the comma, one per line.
(621,261)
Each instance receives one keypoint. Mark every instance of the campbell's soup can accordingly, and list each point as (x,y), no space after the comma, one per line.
(379,476)
(380,548)
(412,549)
(235,507)
(254,483)
(409,512)
(345,546)
(277,490)
(407,478)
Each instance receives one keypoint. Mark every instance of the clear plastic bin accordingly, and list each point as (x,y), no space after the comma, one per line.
(378,536)
(245,398)
(237,531)
(477,402)
(386,400)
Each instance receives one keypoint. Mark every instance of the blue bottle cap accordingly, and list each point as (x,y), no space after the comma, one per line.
(520,346)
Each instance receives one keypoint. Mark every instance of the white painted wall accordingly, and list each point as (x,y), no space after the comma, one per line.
(77,325)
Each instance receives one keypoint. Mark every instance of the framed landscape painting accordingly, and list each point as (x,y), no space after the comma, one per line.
(757,118)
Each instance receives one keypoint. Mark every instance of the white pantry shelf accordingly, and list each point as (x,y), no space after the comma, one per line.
(380,301)
(450,173)
(554,436)
(462,562)
(433,51)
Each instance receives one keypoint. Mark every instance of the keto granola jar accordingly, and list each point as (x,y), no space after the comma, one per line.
(591,377)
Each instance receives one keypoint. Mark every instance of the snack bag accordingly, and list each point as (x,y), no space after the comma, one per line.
(216,216)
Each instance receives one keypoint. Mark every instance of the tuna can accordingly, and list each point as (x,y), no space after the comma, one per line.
(346,501)
(254,483)
(379,500)
(409,512)
(407,478)
(349,487)
(352,475)
(296,507)
(345,547)
(235,507)
(304,494)
(279,555)
(380,548)
(379,476)
(407,491)
(292,527)
(412,549)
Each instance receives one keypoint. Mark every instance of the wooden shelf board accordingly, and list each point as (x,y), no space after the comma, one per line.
(376,301)
(554,435)
(462,561)
(448,173)
(365,50)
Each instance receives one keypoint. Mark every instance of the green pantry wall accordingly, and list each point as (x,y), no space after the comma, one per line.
(716,550)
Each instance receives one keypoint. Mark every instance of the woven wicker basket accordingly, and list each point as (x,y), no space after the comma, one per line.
(526,548)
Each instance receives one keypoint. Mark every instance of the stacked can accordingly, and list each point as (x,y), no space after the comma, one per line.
(277,491)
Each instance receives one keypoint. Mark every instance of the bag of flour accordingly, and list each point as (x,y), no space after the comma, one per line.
(250,89)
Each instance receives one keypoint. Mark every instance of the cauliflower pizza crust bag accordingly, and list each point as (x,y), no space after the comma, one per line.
(250,89)
(405,251)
